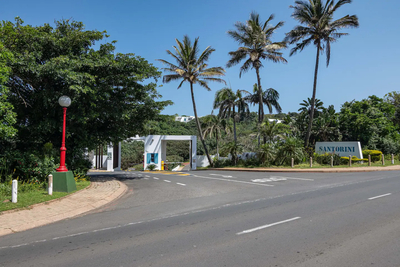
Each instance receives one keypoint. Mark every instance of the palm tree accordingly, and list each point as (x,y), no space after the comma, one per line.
(307,104)
(214,126)
(192,68)
(270,98)
(234,149)
(273,131)
(255,38)
(321,30)
(227,101)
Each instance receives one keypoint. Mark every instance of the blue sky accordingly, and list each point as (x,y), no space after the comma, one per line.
(362,64)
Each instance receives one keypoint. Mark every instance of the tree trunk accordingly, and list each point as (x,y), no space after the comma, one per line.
(199,127)
(217,146)
(313,98)
(260,102)
(234,125)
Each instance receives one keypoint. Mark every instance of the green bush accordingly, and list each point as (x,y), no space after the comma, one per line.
(138,167)
(325,159)
(376,155)
(354,159)
(151,167)
(174,158)
(220,163)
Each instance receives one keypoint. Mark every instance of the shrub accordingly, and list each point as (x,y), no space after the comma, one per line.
(354,159)
(138,167)
(376,155)
(220,163)
(174,158)
(326,158)
(151,167)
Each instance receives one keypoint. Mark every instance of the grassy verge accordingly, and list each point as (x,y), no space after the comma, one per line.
(34,195)
(316,165)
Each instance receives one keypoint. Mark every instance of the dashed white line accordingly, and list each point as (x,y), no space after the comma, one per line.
(168,181)
(155,178)
(266,226)
(181,184)
(385,195)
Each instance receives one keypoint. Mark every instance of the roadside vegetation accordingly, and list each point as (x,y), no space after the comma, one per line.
(119,99)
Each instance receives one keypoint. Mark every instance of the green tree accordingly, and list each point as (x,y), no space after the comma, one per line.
(291,148)
(112,94)
(370,121)
(234,149)
(215,126)
(192,68)
(273,131)
(255,38)
(321,30)
(270,98)
(7,116)
(227,101)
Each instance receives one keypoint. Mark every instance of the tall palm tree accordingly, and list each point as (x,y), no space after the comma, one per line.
(255,38)
(214,126)
(307,104)
(321,30)
(231,104)
(192,68)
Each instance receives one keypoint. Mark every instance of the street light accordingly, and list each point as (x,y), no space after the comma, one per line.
(65,102)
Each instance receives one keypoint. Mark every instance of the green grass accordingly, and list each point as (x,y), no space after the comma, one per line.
(388,162)
(33,196)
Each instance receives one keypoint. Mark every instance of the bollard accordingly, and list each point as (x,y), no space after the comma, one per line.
(392,159)
(369,160)
(292,162)
(350,160)
(331,161)
(50,189)
(310,162)
(383,159)
(14,191)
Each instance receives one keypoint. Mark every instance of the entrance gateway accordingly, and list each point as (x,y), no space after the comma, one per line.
(155,148)
(155,152)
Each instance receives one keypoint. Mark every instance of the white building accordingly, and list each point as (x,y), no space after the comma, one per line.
(184,118)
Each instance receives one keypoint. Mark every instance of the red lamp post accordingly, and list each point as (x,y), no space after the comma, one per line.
(65,102)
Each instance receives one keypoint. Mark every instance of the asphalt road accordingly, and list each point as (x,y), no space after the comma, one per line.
(227,219)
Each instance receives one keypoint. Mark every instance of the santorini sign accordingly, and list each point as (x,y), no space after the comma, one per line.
(343,149)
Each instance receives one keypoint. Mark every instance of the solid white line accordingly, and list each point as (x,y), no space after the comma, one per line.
(155,178)
(234,181)
(266,226)
(181,184)
(167,181)
(385,195)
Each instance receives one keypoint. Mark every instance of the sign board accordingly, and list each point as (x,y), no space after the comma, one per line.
(343,149)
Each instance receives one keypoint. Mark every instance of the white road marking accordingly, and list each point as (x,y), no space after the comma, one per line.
(167,181)
(225,176)
(228,180)
(290,178)
(266,226)
(146,178)
(385,195)
(155,178)
(264,180)
(181,184)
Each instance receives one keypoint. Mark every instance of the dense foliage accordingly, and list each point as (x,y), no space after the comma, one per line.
(113,94)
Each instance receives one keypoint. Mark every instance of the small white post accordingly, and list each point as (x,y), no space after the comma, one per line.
(50,184)
(14,191)
(331,161)
(292,165)
(310,162)
(392,159)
